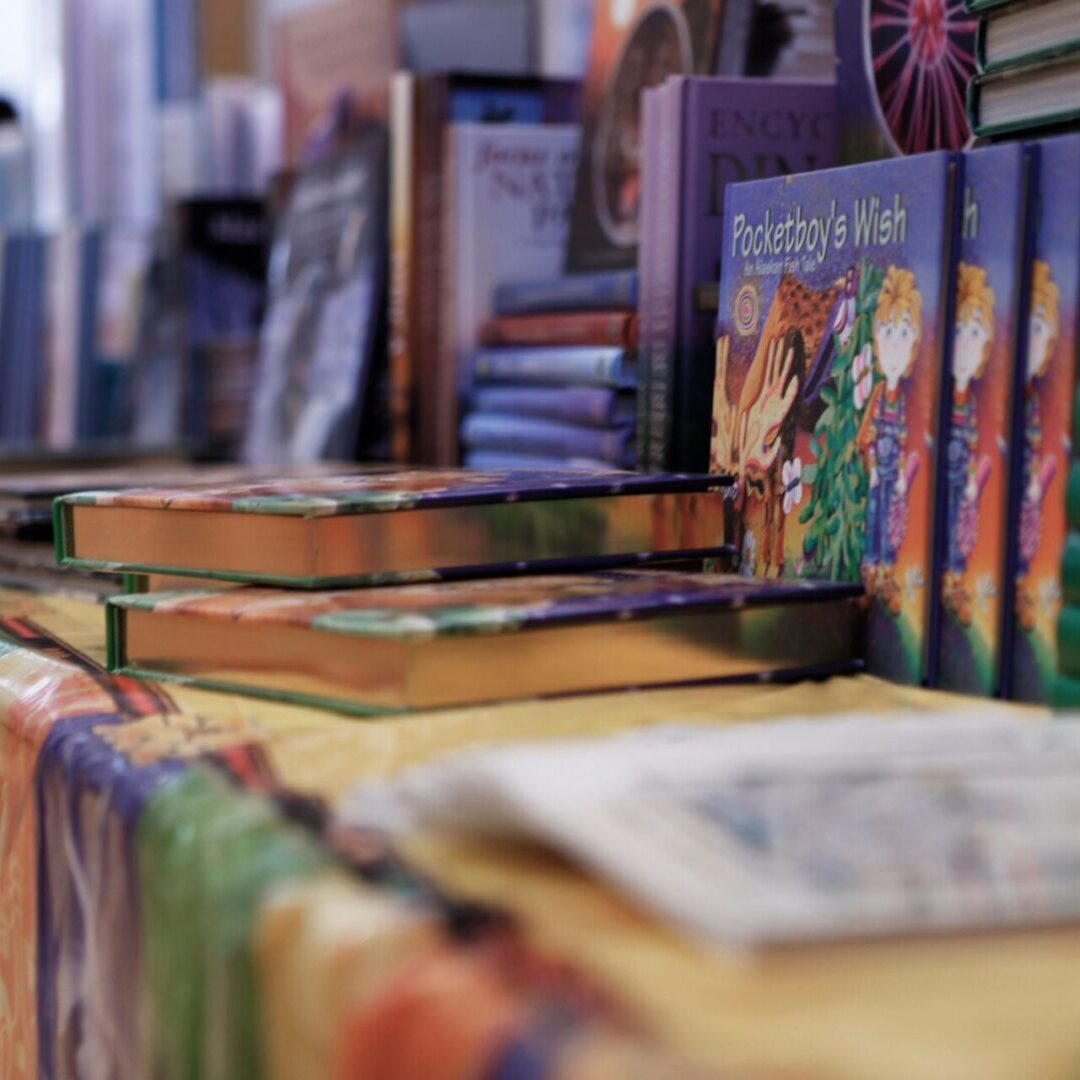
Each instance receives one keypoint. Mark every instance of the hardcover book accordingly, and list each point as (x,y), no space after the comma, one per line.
(1027,30)
(902,76)
(564,328)
(597,406)
(635,44)
(584,365)
(709,132)
(370,528)
(836,328)
(989,357)
(574,292)
(457,643)
(551,438)
(507,196)
(1036,94)
(1047,403)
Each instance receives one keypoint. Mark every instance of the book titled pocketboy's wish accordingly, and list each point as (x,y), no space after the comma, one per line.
(466,642)
(836,330)
(371,528)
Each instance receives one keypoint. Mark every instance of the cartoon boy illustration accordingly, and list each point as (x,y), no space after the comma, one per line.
(883,433)
(1038,473)
(963,480)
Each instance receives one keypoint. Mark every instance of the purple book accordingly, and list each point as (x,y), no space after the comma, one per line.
(493,431)
(708,132)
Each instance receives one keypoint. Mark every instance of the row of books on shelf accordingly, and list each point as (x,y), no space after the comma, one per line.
(895,365)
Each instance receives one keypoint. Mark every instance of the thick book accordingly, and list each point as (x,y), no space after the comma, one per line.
(1027,30)
(1040,94)
(581,366)
(635,44)
(507,201)
(902,74)
(836,317)
(551,438)
(459,643)
(708,133)
(594,405)
(1046,423)
(572,292)
(980,449)
(369,528)
(563,328)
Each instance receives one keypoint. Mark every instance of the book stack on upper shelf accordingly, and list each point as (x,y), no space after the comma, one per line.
(555,381)
(1029,60)
(383,591)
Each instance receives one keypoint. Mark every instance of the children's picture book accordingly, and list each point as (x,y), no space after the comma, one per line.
(457,643)
(902,76)
(635,44)
(835,333)
(371,527)
(989,353)
(1047,416)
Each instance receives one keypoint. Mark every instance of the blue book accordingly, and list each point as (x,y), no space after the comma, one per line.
(576,292)
(1045,423)
(836,327)
(594,405)
(504,461)
(585,365)
(988,364)
(518,434)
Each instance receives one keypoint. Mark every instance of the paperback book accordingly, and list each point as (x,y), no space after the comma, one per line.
(458,643)
(986,391)
(1047,404)
(836,332)
(371,528)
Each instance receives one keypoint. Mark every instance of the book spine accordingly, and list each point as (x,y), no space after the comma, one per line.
(455,232)
(584,292)
(402,284)
(587,367)
(980,44)
(568,328)
(1072,495)
(594,406)
(1070,570)
(650,161)
(663,336)
(1069,641)
(522,435)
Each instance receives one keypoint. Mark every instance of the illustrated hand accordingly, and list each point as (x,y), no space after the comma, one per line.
(765,415)
(724,456)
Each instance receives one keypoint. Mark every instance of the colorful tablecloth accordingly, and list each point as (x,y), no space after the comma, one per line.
(177,901)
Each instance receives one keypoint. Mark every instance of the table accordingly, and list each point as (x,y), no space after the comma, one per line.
(176,900)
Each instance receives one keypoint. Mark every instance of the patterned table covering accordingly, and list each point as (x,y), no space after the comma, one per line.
(177,901)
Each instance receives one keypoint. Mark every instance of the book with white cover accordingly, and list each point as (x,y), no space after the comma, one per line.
(788,831)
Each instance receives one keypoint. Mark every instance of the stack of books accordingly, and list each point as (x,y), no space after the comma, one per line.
(381,592)
(554,384)
(1029,66)
(893,395)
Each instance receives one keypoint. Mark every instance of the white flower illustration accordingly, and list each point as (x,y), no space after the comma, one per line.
(985,591)
(791,475)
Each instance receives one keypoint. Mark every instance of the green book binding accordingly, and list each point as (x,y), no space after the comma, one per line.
(1049,64)
(1070,570)
(1072,496)
(1066,692)
(1023,32)
(1069,641)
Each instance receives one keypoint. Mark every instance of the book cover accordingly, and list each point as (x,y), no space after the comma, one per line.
(583,366)
(373,527)
(836,331)
(508,191)
(457,642)
(563,328)
(574,292)
(989,356)
(711,132)
(1047,403)
(902,76)
(635,44)
(551,438)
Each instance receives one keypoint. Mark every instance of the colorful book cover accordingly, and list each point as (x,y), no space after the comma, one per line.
(902,76)
(635,44)
(1047,420)
(989,350)
(835,335)
(718,131)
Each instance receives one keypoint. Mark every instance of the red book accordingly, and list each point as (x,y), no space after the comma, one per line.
(617,328)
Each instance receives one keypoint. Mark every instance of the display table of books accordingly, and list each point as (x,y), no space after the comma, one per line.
(192,887)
